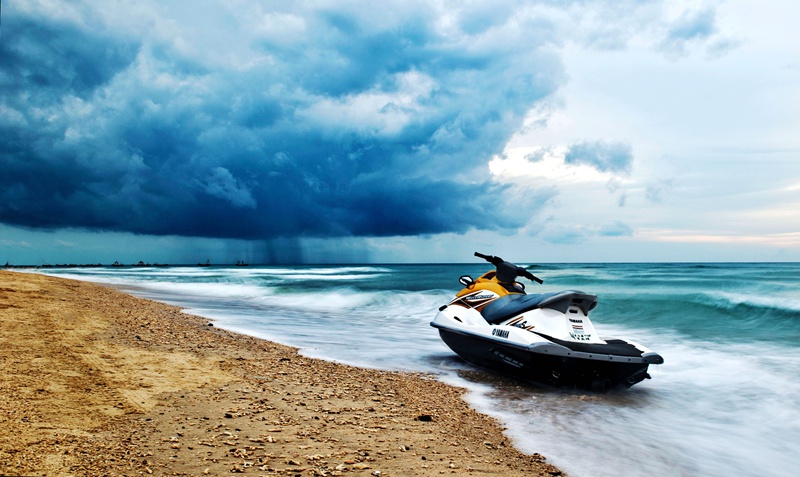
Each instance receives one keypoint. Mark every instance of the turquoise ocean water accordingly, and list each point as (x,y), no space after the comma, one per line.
(726,402)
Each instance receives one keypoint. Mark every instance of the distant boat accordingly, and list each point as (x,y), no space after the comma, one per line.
(117,264)
(207,264)
(141,264)
(240,263)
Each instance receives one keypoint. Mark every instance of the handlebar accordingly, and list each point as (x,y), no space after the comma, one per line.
(485,257)
(533,278)
(497,261)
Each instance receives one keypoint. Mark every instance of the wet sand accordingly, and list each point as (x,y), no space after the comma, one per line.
(97,382)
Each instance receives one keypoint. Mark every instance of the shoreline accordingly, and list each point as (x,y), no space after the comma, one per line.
(97,381)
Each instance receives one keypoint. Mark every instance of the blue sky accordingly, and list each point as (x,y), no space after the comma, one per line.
(414,131)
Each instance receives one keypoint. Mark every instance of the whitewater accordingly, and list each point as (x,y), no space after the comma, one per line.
(725,402)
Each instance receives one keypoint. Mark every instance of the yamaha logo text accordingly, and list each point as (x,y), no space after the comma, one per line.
(500,333)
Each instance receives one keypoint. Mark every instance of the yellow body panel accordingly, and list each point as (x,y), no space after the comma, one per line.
(487,281)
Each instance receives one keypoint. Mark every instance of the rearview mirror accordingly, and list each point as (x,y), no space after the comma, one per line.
(465,280)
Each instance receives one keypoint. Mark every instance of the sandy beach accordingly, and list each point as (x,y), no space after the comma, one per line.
(97,382)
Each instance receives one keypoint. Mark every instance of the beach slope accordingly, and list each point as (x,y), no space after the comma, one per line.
(97,382)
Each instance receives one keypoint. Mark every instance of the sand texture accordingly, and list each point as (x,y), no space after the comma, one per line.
(97,382)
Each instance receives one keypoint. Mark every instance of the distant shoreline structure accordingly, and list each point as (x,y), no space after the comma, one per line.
(140,264)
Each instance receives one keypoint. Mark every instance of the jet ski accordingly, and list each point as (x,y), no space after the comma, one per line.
(546,338)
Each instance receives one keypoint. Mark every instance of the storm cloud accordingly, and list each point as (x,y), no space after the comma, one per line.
(258,120)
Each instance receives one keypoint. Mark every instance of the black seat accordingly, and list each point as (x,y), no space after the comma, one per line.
(511,305)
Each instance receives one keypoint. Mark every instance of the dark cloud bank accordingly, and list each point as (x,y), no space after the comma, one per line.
(342,127)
